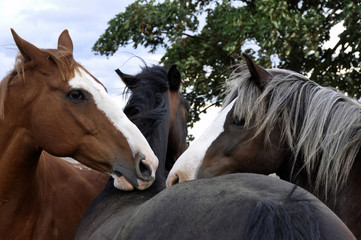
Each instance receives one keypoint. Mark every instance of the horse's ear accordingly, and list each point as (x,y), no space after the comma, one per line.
(128,80)
(65,42)
(258,74)
(27,50)
(174,78)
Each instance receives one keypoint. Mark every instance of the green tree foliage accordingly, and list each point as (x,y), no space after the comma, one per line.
(205,38)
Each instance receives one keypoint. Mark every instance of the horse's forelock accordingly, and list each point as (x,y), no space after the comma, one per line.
(240,86)
(64,61)
(317,123)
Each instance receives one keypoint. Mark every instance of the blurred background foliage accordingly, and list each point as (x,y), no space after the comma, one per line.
(206,38)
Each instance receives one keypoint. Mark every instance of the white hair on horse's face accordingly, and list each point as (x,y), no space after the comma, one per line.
(112,110)
(187,165)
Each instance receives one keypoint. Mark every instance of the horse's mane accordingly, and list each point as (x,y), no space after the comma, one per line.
(3,91)
(146,106)
(62,59)
(293,218)
(319,124)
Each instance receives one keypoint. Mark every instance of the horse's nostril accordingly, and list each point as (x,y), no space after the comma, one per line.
(143,171)
(174,180)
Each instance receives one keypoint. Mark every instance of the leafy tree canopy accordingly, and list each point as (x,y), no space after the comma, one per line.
(204,38)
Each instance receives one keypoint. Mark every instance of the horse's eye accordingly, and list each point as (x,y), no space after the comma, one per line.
(238,122)
(76,95)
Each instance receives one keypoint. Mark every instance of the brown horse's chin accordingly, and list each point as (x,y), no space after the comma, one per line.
(142,185)
(121,183)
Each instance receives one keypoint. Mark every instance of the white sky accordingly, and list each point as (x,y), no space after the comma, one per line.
(41,22)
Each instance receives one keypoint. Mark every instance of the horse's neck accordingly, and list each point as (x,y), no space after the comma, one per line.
(347,205)
(19,157)
(21,167)
(293,171)
(343,202)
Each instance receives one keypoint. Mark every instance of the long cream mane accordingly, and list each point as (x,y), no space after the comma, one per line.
(321,125)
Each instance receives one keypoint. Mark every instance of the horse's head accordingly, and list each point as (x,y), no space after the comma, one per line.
(233,142)
(159,110)
(67,112)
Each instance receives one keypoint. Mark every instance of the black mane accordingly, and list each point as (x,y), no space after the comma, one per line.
(146,107)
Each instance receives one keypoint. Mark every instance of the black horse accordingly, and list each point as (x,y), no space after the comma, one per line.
(160,112)
(235,206)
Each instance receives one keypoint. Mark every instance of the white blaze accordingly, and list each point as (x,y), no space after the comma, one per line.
(112,110)
(187,165)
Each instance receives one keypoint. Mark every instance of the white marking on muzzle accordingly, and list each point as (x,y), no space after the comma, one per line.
(187,165)
(113,112)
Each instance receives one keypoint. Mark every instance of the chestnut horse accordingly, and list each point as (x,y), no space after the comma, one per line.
(51,103)
(278,121)
(239,206)
(160,112)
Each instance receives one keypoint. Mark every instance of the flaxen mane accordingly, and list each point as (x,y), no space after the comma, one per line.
(63,60)
(319,124)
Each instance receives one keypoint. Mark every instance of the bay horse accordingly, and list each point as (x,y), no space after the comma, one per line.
(279,121)
(240,206)
(49,102)
(160,112)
